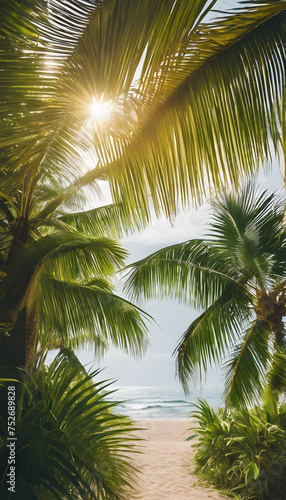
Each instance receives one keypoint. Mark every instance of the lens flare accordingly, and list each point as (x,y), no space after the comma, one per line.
(100,111)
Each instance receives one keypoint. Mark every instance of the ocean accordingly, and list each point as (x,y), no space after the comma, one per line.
(160,403)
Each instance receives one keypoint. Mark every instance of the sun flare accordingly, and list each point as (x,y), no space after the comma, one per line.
(100,111)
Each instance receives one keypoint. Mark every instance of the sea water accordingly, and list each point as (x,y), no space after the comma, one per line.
(144,403)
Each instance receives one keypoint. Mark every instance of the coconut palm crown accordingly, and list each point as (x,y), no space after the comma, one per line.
(190,94)
(56,286)
(237,278)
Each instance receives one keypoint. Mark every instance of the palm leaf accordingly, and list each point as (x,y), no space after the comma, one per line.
(70,443)
(69,255)
(247,366)
(211,334)
(207,129)
(192,272)
(80,314)
(232,276)
(109,220)
(277,374)
(196,116)
(248,226)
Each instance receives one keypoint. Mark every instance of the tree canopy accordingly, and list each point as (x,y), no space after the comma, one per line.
(196,97)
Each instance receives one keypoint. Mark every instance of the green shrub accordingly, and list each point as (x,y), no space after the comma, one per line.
(241,452)
(70,444)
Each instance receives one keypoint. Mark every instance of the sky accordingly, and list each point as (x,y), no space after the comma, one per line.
(157,367)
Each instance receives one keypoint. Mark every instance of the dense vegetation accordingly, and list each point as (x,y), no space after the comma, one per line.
(57,59)
(242,452)
(71,443)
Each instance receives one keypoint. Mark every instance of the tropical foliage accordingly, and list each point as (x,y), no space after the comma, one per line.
(179,113)
(196,96)
(56,283)
(237,276)
(71,443)
(241,452)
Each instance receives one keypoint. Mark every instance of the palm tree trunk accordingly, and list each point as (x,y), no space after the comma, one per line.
(30,335)
(21,342)
(13,361)
(15,350)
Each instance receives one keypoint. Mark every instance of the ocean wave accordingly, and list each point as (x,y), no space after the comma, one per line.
(166,403)
(141,405)
(176,401)
(152,407)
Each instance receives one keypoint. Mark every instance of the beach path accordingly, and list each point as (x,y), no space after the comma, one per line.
(165,464)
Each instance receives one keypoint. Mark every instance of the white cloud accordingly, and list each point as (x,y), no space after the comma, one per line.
(188,224)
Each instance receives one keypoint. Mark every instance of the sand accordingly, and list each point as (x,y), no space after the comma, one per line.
(165,464)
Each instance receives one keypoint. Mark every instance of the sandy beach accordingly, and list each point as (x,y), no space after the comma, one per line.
(165,464)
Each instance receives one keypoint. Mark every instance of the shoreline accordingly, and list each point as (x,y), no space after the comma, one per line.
(165,463)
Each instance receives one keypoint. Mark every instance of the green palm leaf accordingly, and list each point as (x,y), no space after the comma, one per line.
(244,226)
(197,99)
(63,279)
(247,366)
(69,255)
(70,441)
(79,313)
(206,127)
(277,374)
(109,220)
(210,335)
(207,105)
(191,272)
(235,276)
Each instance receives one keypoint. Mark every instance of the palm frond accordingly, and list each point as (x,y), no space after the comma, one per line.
(79,314)
(206,107)
(211,334)
(248,209)
(216,123)
(68,255)
(109,220)
(51,189)
(277,374)
(191,272)
(71,443)
(98,55)
(247,366)
(248,226)
(84,257)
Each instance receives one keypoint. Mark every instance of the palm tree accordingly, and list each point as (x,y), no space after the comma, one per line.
(237,278)
(189,95)
(56,287)
(56,292)
(56,283)
(71,443)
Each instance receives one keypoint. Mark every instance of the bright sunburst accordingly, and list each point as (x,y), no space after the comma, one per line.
(101,110)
